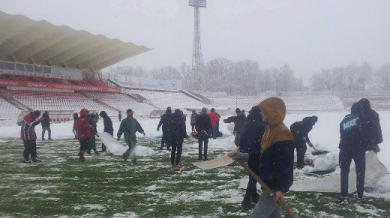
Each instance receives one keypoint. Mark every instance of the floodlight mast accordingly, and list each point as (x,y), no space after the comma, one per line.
(197,63)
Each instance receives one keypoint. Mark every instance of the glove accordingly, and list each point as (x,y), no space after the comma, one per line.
(239,156)
(158,129)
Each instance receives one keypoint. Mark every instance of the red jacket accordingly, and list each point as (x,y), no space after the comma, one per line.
(214,118)
(27,131)
(82,125)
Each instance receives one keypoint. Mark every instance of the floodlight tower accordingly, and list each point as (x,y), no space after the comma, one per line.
(197,63)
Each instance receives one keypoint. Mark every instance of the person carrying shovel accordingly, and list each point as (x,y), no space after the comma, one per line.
(300,130)
(276,161)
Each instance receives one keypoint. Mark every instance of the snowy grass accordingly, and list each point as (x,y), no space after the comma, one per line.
(105,186)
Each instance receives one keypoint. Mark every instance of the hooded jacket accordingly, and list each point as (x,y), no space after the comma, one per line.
(28,127)
(214,118)
(253,131)
(354,134)
(82,125)
(373,126)
(301,129)
(277,147)
(107,122)
(176,128)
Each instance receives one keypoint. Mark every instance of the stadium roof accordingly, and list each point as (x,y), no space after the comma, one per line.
(40,42)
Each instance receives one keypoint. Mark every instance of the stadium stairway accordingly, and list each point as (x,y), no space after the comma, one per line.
(13,101)
(97,100)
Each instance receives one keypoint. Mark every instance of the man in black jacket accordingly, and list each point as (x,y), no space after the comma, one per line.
(373,126)
(176,132)
(202,126)
(301,130)
(46,125)
(164,119)
(239,122)
(107,122)
(250,143)
(355,139)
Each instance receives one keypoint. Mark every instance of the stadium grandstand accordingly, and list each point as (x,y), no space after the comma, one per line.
(56,68)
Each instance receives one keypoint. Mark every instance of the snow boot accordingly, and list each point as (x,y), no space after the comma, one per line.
(81,155)
(247,205)
(26,161)
(36,160)
(362,200)
(178,166)
(341,200)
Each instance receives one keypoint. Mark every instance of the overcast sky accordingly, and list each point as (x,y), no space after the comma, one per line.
(306,34)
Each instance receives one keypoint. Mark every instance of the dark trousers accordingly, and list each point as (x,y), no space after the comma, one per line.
(164,141)
(92,144)
(176,146)
(103,146)
(193,126)
(84,144)
(345,159)
(203,141)
(251,191)
(301,151)
(30,148)
(44,128)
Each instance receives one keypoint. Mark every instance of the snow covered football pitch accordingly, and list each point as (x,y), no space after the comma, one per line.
(105,186)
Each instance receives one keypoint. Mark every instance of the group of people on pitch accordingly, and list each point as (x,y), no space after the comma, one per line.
(174,131)
(85,131)
(267,145)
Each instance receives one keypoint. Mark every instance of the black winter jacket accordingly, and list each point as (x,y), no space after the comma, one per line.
(176,129)
(250,140)
(276,166)
(46,121)
(239,122)
(202,122)
(301,130)
(164,118)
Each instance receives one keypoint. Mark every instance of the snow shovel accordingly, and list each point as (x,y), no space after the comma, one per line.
(316,152)
(267,189)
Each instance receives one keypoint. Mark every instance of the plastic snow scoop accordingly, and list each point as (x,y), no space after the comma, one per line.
(267,189)
(222,161)
(316,152)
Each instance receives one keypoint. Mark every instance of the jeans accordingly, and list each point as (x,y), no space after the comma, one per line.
(30,148)
(193,126)
(203,141)
(267,207)
(301,151)
(131,150)
(345,159)
(44,128)
(179,147)
(251,190)
(214,131)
